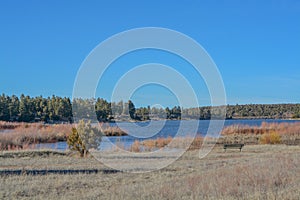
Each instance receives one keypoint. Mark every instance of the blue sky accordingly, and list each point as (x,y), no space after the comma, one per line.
(255,44)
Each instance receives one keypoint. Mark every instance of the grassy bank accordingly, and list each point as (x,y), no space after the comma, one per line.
(258,172)
(267,133)
(155,144)
(26,135)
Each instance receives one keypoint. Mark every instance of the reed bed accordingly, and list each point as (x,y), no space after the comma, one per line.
(265,128)
(10,125)
(169,142)
(267,133)
(113,131)
(26,135)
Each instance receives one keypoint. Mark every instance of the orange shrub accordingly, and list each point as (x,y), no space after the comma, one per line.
(135,147)
(149,145)
(270,138)
(158,143)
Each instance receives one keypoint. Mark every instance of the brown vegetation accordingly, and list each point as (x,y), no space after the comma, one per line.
(136,146)
(259,178)
(259,172)
(10,125)
(158,143)
(267,133)
(281,128)
(25,135)
(113,131)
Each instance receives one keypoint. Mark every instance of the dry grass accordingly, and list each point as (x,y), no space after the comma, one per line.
(270,138)
(10,125)
(158,143)
(256,179)
(113,131)
(259,172)
(267,133)
(152,144)
(25,135)
(136,146)
(281,128)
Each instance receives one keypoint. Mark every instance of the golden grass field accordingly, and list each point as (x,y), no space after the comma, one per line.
(258,172)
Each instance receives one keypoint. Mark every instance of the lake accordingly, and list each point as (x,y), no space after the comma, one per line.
(155,129)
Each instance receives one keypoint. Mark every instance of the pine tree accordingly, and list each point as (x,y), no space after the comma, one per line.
(26,109)
(131,109)
(4,111)
(84,138)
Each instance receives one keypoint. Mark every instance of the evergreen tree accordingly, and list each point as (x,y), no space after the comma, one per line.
(131,109)
(13,107)
(26,109)
(4,111)
(84,138)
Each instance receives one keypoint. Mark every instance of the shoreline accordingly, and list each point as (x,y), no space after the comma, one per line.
(156,119)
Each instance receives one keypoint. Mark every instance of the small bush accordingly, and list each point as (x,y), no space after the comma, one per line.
(136,146)
(84,138)
(113,131)
(196,144)
(157,143)
(270,138)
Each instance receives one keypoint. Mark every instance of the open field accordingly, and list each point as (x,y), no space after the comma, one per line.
(258,172)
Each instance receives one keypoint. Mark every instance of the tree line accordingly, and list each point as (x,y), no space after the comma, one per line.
(247,111)
(57,109)
(30,109)
(109,111)
(61,109)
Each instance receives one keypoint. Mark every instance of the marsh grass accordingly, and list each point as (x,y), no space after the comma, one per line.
(10,125)
(281,128)
(267,133)
(113,131)
(26,135)
(169,142)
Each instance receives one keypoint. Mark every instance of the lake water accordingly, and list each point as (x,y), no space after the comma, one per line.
(155,129)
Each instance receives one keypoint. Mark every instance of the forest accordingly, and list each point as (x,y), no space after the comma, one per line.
(59,109)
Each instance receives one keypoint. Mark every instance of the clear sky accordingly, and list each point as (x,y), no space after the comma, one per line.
(255,44)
